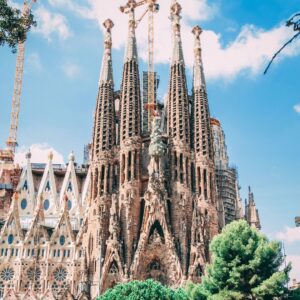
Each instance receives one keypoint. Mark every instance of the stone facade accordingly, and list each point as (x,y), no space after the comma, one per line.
(146,206)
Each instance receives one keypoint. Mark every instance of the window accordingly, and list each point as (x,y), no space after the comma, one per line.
(60,274)
(7,274)
(69,204)
(62,240)
(10,239)
(23,204)
(46,204)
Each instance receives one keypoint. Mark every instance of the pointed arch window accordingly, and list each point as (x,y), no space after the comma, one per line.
(62,240)
(69,204)
(47,188)
(113,268)
(70,189)
(25,185)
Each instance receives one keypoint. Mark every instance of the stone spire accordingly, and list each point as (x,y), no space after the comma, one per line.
(106,75)
(104,127)
(130,125)
(203,142)
(131,52)
(178,102)
(252,215)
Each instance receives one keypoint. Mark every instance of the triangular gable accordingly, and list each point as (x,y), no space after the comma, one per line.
(63,226)
(70,186)
(48,184)
(37,223)
(30,294)
(48,295)
(10,295)
(26,179)
(12,224)
(26,190)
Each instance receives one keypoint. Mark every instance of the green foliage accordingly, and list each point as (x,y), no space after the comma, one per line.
(196,291)
(294,295)
(13,26)
(143,290)
(246,262)
(227,295)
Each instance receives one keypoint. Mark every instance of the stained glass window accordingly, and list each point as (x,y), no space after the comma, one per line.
(10,239)
(69,204)
(62,240)
(7,274)
(46,204)
(60,274)
(23,204)
(34,273)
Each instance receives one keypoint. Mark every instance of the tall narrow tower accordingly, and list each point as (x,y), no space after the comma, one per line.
(103,165)
(130,142)
(203,145)
(179,143)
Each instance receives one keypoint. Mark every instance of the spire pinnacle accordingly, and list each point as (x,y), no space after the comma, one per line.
(106,71)
(199,79)
(131,48)
(177,42)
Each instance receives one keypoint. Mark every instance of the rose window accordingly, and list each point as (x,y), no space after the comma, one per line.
(34,273)
(60,274)
(7,274)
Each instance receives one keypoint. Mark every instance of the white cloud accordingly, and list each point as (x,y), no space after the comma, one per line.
(289,235)
(34,61)
(71,70)
(295,260)
(250,51)
(49,23)
(297,108)
(80,10)
(39,154)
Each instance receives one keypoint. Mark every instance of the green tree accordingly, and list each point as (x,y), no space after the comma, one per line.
(245,263)
(294,295)
(13,26)
(143,290)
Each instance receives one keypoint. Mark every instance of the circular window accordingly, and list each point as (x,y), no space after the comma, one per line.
(23,204)
(34,273)
(62,240)
(69,204)
(10,239)
(46,204)
(7,274)
(60,274)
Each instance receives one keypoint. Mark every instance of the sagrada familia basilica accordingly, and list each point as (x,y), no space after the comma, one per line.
(145,206)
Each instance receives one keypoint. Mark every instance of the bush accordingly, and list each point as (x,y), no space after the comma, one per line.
(143,290)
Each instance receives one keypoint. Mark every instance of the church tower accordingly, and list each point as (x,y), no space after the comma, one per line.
(130,142)
(179,144)
(103,166)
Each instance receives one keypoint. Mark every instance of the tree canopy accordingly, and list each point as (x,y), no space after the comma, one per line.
(245,263)
(143,290)
(13,26)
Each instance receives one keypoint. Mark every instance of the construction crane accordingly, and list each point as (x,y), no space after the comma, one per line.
(14,120)
(152,8)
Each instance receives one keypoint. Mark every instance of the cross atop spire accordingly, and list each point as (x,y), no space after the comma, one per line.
(199,78)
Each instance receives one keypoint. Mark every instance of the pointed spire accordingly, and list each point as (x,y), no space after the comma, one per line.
(177,42)
(106,71)
(199,78)
(131,47)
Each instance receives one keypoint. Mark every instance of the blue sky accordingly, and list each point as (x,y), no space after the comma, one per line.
(259,113)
